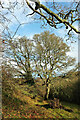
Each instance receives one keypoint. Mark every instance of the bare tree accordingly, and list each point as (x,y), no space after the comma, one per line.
(20,54)
(50,57)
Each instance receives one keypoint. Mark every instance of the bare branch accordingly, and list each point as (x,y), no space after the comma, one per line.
(59,19)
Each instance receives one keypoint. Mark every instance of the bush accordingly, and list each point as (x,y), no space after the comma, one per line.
(67,89)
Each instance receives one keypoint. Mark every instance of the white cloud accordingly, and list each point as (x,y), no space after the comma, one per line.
(74,51)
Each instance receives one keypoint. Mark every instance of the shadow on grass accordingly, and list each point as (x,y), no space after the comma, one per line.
(46,106)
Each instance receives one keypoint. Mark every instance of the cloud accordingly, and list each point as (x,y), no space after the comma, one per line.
(74,51)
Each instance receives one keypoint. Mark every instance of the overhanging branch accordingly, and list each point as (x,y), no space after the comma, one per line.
(64,21)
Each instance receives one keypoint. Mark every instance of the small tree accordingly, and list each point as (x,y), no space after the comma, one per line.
(50,57)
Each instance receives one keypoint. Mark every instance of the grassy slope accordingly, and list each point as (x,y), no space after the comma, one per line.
(21,105)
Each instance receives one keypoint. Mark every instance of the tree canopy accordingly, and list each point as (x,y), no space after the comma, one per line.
(19,53)
(45,56)
(50,57)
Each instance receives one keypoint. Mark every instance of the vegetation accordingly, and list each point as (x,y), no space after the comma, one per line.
(50,57)
(45,56)
(67,88)
(25,101)
(19,103)
(31,85)
(38,61)
(19,52)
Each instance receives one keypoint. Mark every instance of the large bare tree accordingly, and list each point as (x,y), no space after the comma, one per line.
(50,57)
(19,53)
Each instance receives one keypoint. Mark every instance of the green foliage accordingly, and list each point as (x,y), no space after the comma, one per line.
(22,106)
(67,88)
(19,102)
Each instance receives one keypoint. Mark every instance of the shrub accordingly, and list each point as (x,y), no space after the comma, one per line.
(67,89)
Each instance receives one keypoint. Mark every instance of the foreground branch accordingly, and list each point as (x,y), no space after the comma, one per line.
(58,18)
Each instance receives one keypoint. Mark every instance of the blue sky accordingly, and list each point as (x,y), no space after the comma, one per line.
(31,27)
(29,30)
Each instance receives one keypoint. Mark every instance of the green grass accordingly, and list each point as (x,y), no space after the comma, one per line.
(21,105)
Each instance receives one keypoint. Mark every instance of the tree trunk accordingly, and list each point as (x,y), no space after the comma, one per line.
(47,91)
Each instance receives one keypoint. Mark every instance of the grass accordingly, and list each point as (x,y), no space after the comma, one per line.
(21,105)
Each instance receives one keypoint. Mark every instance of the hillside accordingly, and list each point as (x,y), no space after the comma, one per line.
(67,87)
(21,101)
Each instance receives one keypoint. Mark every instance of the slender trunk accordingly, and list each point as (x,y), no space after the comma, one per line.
(47,90)
(28,62)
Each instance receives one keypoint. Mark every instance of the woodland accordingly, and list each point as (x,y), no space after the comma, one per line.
(39,79)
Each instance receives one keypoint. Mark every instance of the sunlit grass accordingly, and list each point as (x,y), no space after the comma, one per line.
(21,105)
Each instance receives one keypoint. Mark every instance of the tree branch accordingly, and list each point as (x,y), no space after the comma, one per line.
(64,21)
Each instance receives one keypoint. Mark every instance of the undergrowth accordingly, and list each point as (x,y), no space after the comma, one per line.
(18,102)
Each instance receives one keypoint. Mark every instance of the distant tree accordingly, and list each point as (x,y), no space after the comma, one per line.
(50,57)
(20,55)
